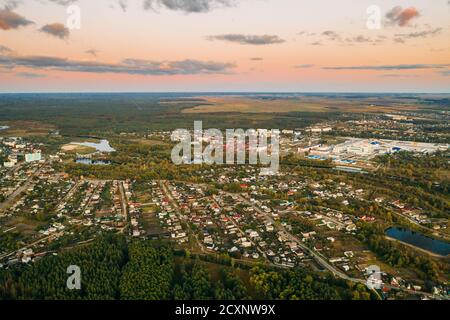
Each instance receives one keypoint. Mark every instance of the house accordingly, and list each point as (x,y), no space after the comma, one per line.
(349,254)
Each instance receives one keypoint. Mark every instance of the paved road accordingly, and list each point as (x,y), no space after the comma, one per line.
(263,254)
(322,260)
(169,195)
(5,204)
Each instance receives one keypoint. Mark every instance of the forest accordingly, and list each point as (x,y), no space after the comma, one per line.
(111,269)
(112,113)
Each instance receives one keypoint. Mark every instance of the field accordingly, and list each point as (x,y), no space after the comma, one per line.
(101,115)
(243,104)
(75,148)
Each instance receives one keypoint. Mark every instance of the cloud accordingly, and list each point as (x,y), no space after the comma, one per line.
(248,39)
(187,5)
(11,20)
(401,17)
(11,4)
(57,30)
(331,35)
(63,2)
(398,76)
(364,39)
(127,66)
(420,34)
(256,59)
(30,75)
(123,4)
(306,33)
(360,38)
(446,73)
(92,52)
(304,66)
(351,39)
(4,49)
(391,67)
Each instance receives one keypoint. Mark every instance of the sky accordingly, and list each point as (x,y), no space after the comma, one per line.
(224,45)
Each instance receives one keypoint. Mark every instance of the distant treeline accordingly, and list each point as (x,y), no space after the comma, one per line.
(100,114)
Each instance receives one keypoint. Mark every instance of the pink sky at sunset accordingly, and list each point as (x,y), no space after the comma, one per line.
(219,45)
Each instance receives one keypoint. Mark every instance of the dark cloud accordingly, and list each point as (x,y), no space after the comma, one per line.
(128,66)
(187,5)
(402,17)
(391,67)
(248,39)
(256,59)
(57,30)
(11,20)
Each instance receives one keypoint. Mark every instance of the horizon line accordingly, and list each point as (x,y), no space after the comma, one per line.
(223,92)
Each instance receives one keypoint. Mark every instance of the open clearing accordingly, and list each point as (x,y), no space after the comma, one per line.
(76,148)
(236,104)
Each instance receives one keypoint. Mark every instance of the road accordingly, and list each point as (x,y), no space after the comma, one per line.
(124,201)
(27,246)
(5,204)
(322,260)
(169,195)
(263,254)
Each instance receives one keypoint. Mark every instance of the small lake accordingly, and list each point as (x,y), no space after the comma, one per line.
(102,146)
(419,240)
(92,162)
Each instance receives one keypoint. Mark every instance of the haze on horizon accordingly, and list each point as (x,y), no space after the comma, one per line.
(224,46)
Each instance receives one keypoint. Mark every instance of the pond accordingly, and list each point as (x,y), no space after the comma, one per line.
(419,240)
(102,146)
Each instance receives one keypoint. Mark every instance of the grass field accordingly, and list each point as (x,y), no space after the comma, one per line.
(236,104)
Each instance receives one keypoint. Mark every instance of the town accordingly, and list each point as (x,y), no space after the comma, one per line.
(286,220)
